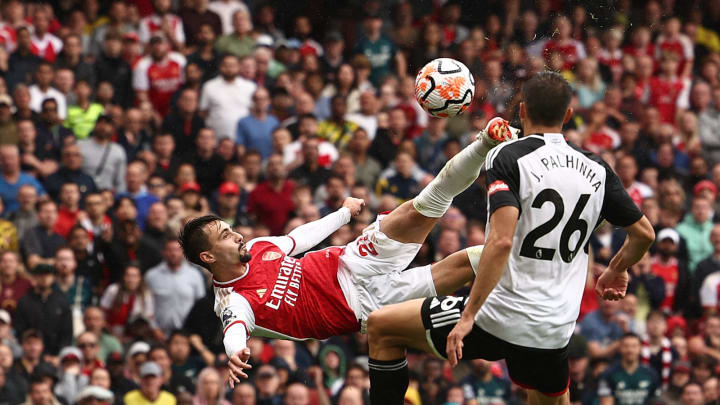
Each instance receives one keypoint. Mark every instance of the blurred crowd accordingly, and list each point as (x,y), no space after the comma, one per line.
(119,120)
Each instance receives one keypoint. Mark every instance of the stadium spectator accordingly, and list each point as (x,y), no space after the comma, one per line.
(13,285)
(629,375)
(240,41)
(94,322)
(227,98)
(209,388)
(695,229)
(40,243)
(46,310)
(103,159)
(270,202)
(42,90)
(12,178)
(76,288)
(150,390)
(175,285)
(173,382)
(254,131)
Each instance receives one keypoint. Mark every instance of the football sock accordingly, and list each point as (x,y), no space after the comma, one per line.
(388,381)
(474,253)
(457,175)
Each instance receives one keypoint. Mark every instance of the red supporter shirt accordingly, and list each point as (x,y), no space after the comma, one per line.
(66,220)
(283,297)
(48,47)
(160,79)
(571,50)
(11,293)
(271,207)
(681,46)
(669,273)
(667,95)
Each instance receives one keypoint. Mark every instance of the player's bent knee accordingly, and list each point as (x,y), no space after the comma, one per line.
(379,326)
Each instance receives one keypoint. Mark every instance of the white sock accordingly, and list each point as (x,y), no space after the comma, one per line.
(457,175)
(474,253)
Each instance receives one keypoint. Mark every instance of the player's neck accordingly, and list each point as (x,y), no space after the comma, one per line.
(542,129)
(230,273)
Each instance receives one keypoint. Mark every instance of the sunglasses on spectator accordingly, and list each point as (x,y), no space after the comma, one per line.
(87,345)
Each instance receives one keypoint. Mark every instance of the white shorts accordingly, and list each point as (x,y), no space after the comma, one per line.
(371,272)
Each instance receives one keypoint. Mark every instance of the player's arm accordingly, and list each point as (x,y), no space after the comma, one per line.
(308,235)
(620,210)
(493,261)
(238,320)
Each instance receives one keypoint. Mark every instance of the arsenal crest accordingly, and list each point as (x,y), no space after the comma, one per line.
(268,256)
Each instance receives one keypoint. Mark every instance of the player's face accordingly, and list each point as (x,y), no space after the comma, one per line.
(228,246)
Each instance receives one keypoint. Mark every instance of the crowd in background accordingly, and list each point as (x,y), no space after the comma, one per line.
(119,120)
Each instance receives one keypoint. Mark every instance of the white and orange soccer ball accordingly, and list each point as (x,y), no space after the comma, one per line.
(444,88)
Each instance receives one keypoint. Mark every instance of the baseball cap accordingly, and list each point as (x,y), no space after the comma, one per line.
(190,186)
(668,233)
(704,185)
(229,187)
(43,268)
(5,99)
(69,352)
(680,366)
(93,391)
(5,316)
(138,348)
(150,368)
(264,40)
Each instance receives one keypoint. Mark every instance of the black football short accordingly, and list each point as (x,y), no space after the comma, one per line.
(544,370)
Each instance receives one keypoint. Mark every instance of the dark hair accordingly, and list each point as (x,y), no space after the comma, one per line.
(29,334)
(656,314)
(194,240)
(631,335)
(40,204)
(547,96)
(48,101)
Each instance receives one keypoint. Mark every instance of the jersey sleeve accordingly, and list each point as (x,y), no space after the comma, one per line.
(234,311)
(140,80)
(502,179)
(618,208)
(284,243)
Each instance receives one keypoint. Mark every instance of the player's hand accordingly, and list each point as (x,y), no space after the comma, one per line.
(612,285)
(355,205)
(238,363)
(455,339)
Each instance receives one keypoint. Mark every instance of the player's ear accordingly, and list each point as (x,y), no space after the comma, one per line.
(207,257)
(568,115)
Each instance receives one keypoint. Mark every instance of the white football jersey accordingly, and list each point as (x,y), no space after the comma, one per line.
(562,193)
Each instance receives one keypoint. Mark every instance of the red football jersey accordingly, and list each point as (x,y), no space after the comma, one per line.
(669,273)
(572,51)
(160,80)
(283,297)
(668,95)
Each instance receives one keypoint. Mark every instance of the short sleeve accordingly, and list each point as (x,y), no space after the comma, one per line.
(618,208)
(140,79)
(709,292)
(502,180)
(605,388)
(233,310)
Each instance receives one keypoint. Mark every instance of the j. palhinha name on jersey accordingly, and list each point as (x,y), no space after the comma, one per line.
(563,161)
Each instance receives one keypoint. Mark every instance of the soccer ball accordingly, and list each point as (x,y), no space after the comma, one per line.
(444,88)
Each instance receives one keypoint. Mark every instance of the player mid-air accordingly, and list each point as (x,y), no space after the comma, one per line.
(261,290)
(545,197)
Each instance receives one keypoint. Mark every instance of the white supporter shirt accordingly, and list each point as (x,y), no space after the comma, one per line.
(153,23)
(37,96)
(226,10)
(709,291)
(226,103)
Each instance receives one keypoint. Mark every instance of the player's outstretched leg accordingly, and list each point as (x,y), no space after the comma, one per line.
(390,330)
(412,221)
